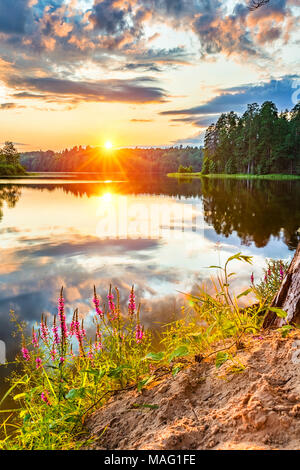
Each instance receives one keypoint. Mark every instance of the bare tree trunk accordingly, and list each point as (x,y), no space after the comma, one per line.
(288,296)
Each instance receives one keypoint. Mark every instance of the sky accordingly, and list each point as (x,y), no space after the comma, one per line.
(139,72)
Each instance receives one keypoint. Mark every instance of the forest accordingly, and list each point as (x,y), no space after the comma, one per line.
(125,160)
(261,141)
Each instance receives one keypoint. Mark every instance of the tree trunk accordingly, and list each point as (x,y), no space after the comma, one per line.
(288,296)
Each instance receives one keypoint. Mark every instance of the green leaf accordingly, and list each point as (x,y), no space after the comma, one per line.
(215,267)
(279,312)
(176,370)
(145,382)
(155,356)
(246,292)
(75,393)
(179,352)
(116,372)
(221,358)
(285,330)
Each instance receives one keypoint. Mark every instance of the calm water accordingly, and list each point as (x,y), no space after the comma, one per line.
(160,235)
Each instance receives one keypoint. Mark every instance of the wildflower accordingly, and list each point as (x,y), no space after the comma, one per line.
(78,333)
(111,303)
(35,341)
(45,397)
(139,333)
(53,353)
(61,360)
(96,302)
(44,330)
(98,342)
(25,354)
(38,362)
(252,278)
(131,304)
(281,273)
(55,332)
(62,317)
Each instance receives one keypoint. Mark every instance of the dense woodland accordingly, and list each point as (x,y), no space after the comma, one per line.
(128,161)
(261,141)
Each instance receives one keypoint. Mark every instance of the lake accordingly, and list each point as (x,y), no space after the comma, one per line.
(159,234)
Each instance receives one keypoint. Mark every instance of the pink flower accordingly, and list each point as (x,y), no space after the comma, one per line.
(96,302)
(45,397)
(35,341)
(139,333)
(55,334)
(281,273)
(38,362)
(53,353)
(25,354)
(252,278)
(44,330)
(131,304)
(62,317)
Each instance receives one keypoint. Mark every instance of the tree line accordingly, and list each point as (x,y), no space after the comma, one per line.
(126,160)
(261,141)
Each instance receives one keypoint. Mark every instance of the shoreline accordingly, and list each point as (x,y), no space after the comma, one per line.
(273,176)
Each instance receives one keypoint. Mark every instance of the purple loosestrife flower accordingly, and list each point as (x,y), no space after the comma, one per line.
(252,278)
(139,333)
(44,330)
(35,341)
(96,302)
(111,304)
(78,334)
(45,397)
(55,332)
(98,342)
(62,317)
(38,362)
(281,273)
(53,353)
(25,354)
(131,304)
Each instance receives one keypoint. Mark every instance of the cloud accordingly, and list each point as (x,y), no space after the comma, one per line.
(13,16)
(236,98)
(141,120)
(139,90)
(49,42)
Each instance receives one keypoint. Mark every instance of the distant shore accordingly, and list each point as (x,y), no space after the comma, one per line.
(234,176)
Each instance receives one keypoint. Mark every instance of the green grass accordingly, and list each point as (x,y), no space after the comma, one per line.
(234,176)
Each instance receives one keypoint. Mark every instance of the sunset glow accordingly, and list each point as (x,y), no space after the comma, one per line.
(108,145)
(135,68)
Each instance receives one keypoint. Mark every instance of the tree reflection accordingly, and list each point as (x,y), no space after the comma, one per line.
(254,209)
(9,194)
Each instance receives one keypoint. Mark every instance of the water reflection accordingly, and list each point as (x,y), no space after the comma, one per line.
(159,234)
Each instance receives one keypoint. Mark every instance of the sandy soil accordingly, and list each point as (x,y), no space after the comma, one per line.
(206,408)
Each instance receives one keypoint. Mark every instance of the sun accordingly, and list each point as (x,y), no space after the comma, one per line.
(108,145)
